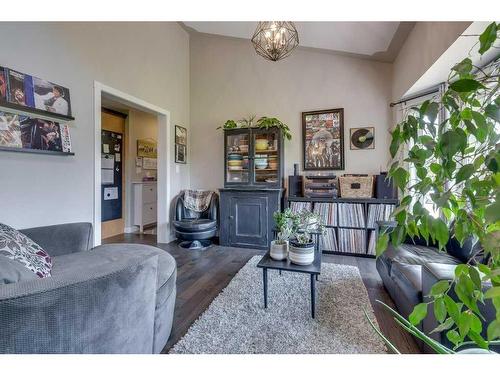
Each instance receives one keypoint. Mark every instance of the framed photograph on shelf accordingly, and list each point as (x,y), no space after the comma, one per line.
(180,135)
(180,154)
(323,134)
(362,138)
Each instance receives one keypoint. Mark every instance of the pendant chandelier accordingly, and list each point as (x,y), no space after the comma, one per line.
(275,40)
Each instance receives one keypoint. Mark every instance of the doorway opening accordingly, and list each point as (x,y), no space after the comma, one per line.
(132,174)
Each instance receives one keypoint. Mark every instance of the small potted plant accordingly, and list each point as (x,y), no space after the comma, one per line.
(301,249)
(284,225)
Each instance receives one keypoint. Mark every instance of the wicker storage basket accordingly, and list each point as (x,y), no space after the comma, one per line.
(356,186)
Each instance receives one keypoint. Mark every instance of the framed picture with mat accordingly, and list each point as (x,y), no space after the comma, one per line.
(362,138)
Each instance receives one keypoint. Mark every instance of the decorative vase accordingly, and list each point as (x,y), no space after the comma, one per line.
(279,251)
(301,254)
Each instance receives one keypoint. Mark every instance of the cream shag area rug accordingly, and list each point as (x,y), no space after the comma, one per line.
(236,321)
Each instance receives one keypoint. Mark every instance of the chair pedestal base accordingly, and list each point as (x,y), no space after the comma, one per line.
(196,244)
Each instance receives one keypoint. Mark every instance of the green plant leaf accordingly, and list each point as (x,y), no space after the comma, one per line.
(493,331)
(464,173)
(492,212)
(463,67)
(453,336)
(440,231)
(382,242)
(439,288)
(440,310)
(446,325)
(476,325)
(491,110)
(464,324)
(452,307)
(475,277)
(487,38)
(400,177)
(466,85)
(418,314)
(493,292)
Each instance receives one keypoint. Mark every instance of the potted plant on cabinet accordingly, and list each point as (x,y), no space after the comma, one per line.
(301,249)
(284,226)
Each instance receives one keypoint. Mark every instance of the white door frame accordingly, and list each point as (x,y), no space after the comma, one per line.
(163,173)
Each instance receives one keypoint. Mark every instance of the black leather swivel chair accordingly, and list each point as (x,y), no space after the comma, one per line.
(196,229)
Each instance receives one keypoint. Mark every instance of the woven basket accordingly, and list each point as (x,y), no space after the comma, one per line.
(356,186)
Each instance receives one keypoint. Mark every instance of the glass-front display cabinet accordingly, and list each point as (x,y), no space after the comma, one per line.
(253,157)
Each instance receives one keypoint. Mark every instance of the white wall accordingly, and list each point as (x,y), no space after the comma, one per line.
(425,44)
(230,81)
(147,60)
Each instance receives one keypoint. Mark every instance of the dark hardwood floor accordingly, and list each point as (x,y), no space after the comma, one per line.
(201,276)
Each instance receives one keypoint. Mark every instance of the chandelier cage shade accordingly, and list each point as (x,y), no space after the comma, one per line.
(275,40)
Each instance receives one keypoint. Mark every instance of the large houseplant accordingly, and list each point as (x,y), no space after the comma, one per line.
(456,163)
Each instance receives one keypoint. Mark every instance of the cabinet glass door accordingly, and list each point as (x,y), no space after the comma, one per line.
(266,158)
(237,162)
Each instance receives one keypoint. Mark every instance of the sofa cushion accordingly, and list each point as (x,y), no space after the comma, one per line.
(416,255)
(409,279)
(19,247)
(12,271)
(112,252)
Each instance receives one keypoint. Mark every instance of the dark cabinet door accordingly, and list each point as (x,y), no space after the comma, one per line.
(249,220)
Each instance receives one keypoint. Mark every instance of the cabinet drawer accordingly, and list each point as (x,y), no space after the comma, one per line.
(149,213)
(148,193)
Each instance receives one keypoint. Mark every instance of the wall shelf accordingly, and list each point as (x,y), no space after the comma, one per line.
(33,112)
(34,151)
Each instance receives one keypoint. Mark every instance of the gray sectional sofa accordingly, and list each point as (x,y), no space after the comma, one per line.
(116,298)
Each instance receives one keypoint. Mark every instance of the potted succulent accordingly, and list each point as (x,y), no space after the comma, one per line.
(284,225)
(301,249)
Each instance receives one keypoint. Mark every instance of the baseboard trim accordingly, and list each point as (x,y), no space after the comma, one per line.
(131,229)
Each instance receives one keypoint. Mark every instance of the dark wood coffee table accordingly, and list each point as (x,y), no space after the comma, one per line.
(313,270)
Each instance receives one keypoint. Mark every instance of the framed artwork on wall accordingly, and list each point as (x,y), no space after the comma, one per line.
(180,154)
(180,135)
(147,148)
(323,135)
(362,138)
(180,144)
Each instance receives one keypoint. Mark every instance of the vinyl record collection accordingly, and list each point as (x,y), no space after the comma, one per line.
(379,212)
(352,241)
(300,206)
(329,240)
(351,215)
(327,212)
(342,220)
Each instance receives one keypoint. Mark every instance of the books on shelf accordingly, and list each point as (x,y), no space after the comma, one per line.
(379,212)
(328,240)
(351,215)
(352,241)
(327,212)
(300,206)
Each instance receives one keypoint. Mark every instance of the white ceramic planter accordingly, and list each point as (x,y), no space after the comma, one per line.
(279,251)
(301,254)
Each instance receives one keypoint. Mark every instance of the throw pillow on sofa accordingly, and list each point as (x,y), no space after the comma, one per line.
(18,247)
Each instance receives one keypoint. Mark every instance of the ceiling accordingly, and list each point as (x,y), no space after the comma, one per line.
(374,40)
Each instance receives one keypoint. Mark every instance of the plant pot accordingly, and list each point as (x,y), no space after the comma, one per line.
(279,251)
(301,254)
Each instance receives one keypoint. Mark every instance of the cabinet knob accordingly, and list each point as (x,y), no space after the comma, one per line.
(231,217)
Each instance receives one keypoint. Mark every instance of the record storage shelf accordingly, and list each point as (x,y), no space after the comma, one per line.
(365,202)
